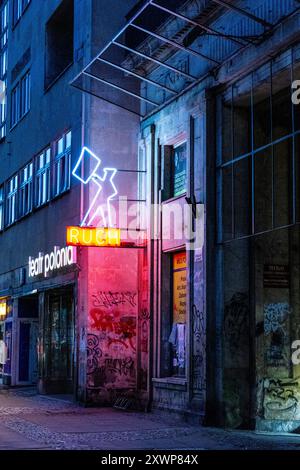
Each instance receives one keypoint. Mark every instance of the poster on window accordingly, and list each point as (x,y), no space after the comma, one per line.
(179,288)
(180,175)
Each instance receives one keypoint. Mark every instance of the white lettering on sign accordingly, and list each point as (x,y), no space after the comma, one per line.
(57,259)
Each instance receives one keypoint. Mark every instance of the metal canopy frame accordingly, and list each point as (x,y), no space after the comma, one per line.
(169,92)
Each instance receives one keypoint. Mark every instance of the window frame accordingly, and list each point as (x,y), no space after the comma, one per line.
(12,200)
(282,63)
(62,159)
(2,207)
(26,190)
(42,178)
(19,7)
(176,146)
(4,28)
(20,99)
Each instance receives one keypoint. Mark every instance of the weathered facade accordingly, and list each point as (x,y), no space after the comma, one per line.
(200,321)
(69,317)
(224,313)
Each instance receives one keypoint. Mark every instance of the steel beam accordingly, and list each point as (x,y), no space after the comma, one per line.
(140,77)
(239,10)
(175,44)
(117,87)
(156,61)
(83,90)
(207,29)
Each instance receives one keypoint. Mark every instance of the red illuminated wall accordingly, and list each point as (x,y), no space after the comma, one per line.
(112,322)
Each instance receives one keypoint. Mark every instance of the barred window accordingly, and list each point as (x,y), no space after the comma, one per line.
(43,178)
(25,204)
(62,164)
(11,200)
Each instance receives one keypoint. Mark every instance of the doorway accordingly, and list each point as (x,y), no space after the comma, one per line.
(27,331)
(58,341)
(2,351)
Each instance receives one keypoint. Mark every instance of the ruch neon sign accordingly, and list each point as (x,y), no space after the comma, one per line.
(86,170)
(87,236)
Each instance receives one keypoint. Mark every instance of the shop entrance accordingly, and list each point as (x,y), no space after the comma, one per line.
(57,374)
(2,351)
(27,332)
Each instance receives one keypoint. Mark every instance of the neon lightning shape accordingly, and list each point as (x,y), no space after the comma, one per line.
(86,170)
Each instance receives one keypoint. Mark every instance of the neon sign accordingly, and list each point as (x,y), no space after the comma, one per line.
(84,236)
(57,259)
(86,170)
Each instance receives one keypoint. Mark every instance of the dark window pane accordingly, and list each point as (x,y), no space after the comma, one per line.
(263,190)
(282,182)
(59,41)
(227,203)
(262,106)
(242,117)
(281,96)
(242,197)
(180,170)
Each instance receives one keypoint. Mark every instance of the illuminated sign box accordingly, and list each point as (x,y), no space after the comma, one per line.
(45,264)
(3,310)
(93,236)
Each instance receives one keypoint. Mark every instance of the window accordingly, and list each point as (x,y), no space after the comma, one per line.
(19,6)
(20,99)
(12,200)
(43,178)
(25,203)
(174,171)
(3,66)
(1,207)
(25,94)
(59,41)
(178,331)
(257,151)
(179,170)
(62,164)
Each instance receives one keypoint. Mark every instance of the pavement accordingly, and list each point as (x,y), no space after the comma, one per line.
(29,421)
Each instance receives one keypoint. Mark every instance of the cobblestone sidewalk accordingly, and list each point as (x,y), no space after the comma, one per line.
(30,421)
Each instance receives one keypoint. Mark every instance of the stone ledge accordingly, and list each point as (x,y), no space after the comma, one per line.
(170,383)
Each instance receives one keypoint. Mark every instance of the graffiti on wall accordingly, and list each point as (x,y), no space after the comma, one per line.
(144,329)
(236,319)
(111,344)
(110,299)
(199,347)
(281,399)
(275,329)
(236,351)
(117,328)
(94,353)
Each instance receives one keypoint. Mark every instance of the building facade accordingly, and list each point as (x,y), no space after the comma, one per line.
(193,105)
(219,133)
(59,302)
